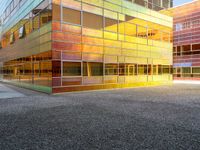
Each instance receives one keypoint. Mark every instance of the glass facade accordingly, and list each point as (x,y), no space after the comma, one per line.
(187,41)
(72,45)
(154,4)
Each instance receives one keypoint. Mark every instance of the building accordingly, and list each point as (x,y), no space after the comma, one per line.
(187,41)
(154,4)
(72,45)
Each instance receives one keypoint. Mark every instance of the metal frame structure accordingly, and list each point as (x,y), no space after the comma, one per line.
(86,45)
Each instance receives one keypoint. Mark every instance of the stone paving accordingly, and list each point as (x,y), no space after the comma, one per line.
(153,118)
(6,92)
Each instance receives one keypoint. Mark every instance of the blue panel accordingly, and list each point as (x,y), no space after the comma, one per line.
(182,64)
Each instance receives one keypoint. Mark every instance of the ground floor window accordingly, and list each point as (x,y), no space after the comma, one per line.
(111,69)
(71,68)
(92,69)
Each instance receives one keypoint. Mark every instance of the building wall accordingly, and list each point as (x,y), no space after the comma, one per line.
(187,41)
(106,44)
(15,11)
(25,56)
(73,45)
(154,4)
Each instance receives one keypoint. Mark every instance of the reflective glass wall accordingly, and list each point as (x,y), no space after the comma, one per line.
(109,44)
(72,45)
(187,41)
(25,50)
(154,4)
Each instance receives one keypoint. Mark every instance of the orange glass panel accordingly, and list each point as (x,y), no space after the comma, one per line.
(72,3)
(71,56)
(66,37)
(56,12)
(56,26)
(66,46)
(71,28)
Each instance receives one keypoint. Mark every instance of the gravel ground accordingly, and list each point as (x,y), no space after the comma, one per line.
(155,118)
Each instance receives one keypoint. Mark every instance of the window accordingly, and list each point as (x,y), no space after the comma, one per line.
(186,70)
(36,69)
(157,2)
(195,23)
(92,21)
(121,69)
(170,69)
(166,69)
(56,65)
(16,35)
(22,32)
(56,12)
(45,68)
(155,70)
(12,38)
(151,33)
(178,27)
(131,69)
(92,69)
(111,69)
(186,25)
(111,25)
(129,19)
(142,69)
(140,2)
(130,29)
(165,37)
(150,70)
(154,34)
(27,69)
(27,28)
(71,16)
(186,47)
(159,69)
(39,16)
(36,22)
(45,19)
(71,69)
(142,32)
(196,70)
(196,47)
(45,16)
(0,45)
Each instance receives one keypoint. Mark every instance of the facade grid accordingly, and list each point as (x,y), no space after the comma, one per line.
(186,51)
(73,45)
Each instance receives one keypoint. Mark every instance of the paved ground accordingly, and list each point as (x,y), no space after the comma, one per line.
(6,92)
(156,118)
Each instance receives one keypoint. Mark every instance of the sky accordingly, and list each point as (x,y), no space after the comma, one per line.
(179,2)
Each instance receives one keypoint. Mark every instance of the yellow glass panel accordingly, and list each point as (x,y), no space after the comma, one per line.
(110,35)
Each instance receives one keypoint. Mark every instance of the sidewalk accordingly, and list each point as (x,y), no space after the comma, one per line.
(187,81)
(6,92)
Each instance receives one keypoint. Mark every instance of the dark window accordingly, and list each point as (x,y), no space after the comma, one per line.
(12,38)
(92,69)
(71,69)
(111,69)
(71,16)
(111,25)
(92,21)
